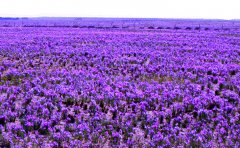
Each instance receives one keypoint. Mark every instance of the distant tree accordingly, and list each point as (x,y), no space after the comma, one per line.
(75,26)
(150,27)
(198,28)
(91,26)
(206,28)
(114,26)
(176,27)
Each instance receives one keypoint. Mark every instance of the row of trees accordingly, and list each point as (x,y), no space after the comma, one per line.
(110,25)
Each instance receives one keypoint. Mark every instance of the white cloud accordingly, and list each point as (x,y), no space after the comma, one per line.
(222,9)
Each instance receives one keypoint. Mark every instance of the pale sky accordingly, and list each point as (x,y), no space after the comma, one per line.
(208,9)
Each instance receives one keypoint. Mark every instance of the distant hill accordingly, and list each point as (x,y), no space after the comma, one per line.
(12,18)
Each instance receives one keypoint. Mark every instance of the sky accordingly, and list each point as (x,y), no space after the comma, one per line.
(203,9)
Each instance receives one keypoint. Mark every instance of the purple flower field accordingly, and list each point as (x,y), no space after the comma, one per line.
(119,86)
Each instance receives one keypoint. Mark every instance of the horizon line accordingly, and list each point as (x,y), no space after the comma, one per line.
(90,17)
